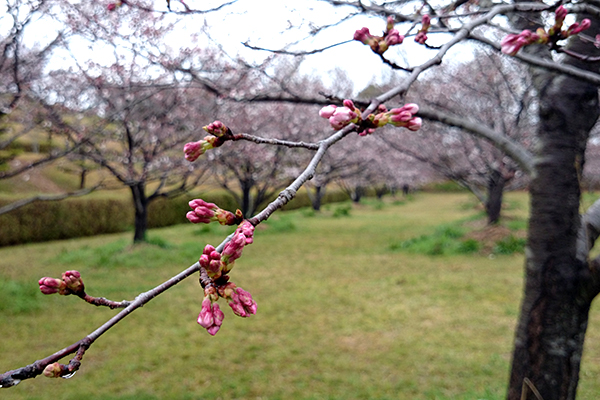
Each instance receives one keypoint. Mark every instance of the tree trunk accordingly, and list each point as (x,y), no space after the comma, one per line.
(357,193)
(554,313)
(493,203)
(317,197)
(140,204)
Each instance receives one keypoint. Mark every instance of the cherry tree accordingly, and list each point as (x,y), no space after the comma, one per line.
(561,278)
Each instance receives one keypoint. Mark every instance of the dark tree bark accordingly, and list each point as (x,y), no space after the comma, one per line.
(493,202)
(559,284)
(140,204)
(316,196)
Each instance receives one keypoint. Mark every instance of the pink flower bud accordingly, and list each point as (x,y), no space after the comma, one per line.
(51,285)
(578,27)
(210,317)
(421,37)
(425,22)
(390,23)
(112,7)
(342,117)
(327,111)
(393,37)
(73,282)
(403,116)
(241,303)
(349,104)
(363,35)
(193,150)
(205,318)
(415,124)
(511,44)
(216,128)
(201,203)
(559,16)
(195,218)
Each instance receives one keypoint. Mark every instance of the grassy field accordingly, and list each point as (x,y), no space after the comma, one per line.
(345,311)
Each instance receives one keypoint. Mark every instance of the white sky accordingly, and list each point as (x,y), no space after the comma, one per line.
(274,23)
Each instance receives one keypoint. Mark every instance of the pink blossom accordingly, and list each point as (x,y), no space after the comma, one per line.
(51,285)
(327,111)
(425,22)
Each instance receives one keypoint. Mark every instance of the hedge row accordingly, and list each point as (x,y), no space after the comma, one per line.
(77,217)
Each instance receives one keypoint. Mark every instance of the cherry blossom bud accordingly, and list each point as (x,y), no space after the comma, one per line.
(248,230)
(210,317)
(51,285)
(363,35)
(390,23)
(559,16)
(342,117)
(403,116)
(415,124)
(216,128)
(425,22)
(193,150)
(54,370)
(394,37)
(511,44)
(218,320)
(73,282)
(207,212)
(205,318)
(327,111)
(349,104)
(210,260)
(421,37)
(578,27)
(241,302)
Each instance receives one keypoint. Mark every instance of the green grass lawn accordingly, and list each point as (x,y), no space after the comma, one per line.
(342,312)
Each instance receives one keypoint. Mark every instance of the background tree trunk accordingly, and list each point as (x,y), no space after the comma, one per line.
(493,203)
(140,203)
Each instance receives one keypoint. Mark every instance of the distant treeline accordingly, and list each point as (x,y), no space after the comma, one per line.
(78,217)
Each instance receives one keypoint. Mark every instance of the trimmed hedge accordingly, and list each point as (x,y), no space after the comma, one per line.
(77,217)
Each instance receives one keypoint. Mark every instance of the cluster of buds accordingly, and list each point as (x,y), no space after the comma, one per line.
(217,266)
(241,302)
(115,5)
(421,36)
(71,283)
(220,134)
(403,116)
(379,44)
(511,44)
(205,213)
